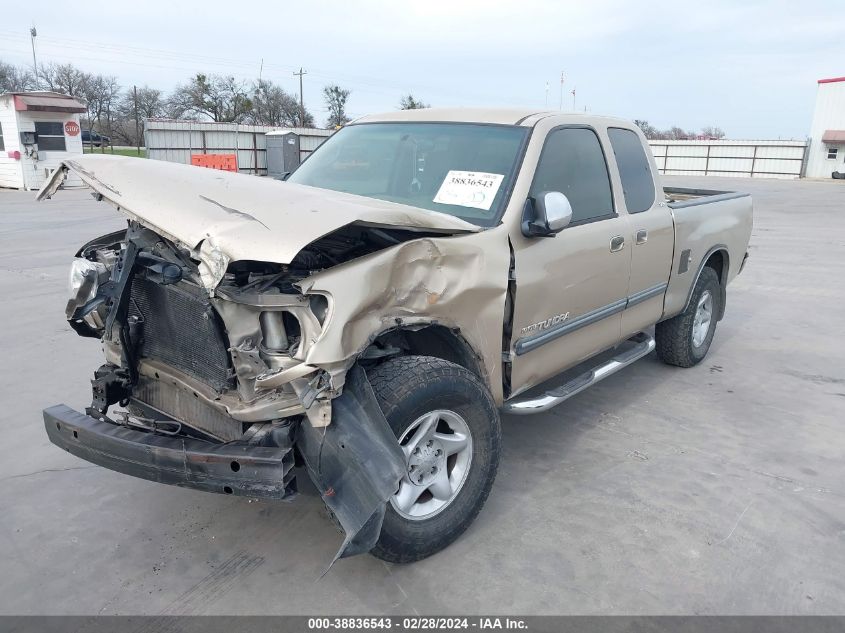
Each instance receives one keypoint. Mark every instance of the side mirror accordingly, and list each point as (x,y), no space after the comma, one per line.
(546,214)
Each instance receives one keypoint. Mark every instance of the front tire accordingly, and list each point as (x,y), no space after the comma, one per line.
(449,430)
(684,340)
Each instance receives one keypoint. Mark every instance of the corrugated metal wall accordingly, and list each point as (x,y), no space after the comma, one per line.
(749,159)
(175,141)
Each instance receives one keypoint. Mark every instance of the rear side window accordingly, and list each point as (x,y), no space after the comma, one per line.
(51,136)
(573,163)
(637,183)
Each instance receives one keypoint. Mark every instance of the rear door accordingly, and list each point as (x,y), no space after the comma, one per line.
(651,230)
(570,288)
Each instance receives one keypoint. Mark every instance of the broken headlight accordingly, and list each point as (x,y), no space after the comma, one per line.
(84,279)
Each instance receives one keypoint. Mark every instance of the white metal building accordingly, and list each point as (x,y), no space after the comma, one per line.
(37,131)
(827,135)
(176,140)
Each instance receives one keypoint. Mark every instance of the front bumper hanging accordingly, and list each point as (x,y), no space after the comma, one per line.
(232,468)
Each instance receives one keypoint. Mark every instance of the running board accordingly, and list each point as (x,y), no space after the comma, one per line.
(643,345)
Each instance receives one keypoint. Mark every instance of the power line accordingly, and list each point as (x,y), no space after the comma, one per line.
(360,83)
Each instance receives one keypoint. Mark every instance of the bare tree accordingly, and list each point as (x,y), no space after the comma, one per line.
(649,130)
(100,94)
(271,105)
(408,102)
(675,133)
(150,103)
(221,99)
(335,98)
(15,79)
(712,132)
(64,78)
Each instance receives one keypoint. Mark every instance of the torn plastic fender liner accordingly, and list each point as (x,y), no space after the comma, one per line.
(355,462)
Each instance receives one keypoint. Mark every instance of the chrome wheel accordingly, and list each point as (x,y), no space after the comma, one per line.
(703,316)
(438,454)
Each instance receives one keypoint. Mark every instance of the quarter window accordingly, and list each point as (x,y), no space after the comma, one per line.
(2,144)
(51,136)
(637,182)
(832,152)
(573,163)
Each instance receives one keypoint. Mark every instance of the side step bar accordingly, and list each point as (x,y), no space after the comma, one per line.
(643,345)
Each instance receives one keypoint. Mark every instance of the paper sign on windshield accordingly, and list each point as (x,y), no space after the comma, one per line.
(469,189)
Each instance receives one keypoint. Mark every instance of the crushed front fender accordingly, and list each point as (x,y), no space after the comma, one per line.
(355,462)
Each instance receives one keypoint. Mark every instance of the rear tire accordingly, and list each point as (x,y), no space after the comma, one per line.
(449,428)
(684,340)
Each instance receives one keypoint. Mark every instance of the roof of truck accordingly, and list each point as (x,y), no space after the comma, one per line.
(506,116)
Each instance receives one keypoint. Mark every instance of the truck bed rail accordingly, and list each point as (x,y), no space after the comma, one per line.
(681,197)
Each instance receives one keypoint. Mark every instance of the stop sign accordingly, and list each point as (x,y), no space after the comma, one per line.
(71,128)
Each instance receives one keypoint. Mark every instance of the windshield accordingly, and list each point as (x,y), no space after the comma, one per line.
(461,169)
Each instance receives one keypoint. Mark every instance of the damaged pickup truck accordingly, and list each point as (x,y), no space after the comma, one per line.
(368,318)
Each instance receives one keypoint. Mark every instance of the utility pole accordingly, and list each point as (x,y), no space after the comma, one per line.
(301,100)
(32,34)
(560,107)
(137,127)
(573,99)
(547,94)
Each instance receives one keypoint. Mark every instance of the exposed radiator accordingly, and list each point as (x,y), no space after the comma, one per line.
(180,328)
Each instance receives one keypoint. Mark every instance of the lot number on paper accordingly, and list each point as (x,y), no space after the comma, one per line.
(469,189)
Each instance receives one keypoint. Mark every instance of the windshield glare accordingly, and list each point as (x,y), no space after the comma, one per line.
(461,169)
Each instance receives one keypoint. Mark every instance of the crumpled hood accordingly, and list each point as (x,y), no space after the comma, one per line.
(243,217)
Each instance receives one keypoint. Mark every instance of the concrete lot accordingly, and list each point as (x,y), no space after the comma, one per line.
(718,489)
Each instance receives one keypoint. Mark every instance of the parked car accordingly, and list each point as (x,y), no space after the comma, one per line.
(370,317)
(94,139)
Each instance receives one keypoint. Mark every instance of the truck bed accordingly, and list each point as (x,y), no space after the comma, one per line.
(679,197)
(705,221)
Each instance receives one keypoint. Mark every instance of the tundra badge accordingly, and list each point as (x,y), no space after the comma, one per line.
(542,325)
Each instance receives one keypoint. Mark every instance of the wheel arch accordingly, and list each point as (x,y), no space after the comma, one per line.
(433,339)
(718,259)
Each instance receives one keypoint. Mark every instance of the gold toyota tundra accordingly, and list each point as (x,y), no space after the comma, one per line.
(369,317)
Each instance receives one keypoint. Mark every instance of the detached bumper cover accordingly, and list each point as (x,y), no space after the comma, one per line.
(355,462)
(238,469)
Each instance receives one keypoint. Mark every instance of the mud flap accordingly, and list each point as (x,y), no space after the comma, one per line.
(355,462)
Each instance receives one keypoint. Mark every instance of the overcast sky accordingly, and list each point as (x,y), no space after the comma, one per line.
(749,67)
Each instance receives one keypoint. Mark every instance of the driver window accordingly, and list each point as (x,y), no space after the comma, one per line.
(573,163)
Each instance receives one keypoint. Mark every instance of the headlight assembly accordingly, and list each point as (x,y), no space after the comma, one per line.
(80,269)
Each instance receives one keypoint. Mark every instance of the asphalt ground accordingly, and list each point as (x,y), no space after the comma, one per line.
(713,490)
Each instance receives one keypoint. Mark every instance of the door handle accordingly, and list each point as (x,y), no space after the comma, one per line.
(642,236)
(617,243)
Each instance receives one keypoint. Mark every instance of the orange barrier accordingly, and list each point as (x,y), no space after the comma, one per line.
(225,162)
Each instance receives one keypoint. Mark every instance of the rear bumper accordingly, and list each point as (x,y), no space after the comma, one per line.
(232,468)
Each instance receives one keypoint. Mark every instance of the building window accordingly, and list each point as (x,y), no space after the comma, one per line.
(50,136)
(2,144)
(832,152)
